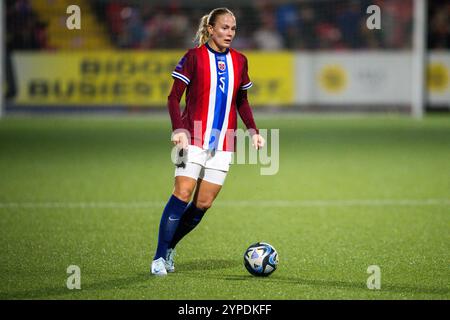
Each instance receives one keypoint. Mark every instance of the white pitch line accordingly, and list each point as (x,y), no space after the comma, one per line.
(338,203)
(237,203)
(81,205)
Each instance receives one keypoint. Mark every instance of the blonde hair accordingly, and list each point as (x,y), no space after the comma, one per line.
(202,35)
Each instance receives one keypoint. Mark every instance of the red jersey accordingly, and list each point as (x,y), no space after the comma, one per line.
(216,84)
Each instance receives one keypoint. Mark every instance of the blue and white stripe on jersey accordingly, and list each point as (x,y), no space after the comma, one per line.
(181,77)
(230,90)
(221,100)
(220,97)
(247,86)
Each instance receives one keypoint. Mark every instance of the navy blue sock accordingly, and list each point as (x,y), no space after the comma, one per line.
(168,224)
(189,220)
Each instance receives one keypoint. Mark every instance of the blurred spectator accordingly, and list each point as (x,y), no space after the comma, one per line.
(266,37)
(396,23)
(24,32)
(439,25)
(24,29)
(348,20)
(113,17)
(287,23)
(306,39)
(132,30)
(328,36)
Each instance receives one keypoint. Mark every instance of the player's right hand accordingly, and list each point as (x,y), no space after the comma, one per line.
(180,139)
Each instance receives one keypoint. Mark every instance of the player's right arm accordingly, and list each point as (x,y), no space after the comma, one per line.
(179,136)
(182,76)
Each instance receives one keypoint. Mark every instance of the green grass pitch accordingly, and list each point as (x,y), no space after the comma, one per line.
(350,192)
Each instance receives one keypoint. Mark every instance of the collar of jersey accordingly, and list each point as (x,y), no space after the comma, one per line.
(216,52)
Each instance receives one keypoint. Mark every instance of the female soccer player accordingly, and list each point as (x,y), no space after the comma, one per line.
(215,78)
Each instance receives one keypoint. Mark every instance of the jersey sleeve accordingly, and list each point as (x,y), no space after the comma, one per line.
(246,83)
(184,69)
(174,98)
(245,111)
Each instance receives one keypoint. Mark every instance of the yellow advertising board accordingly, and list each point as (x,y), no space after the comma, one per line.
(132,78)
(273,80)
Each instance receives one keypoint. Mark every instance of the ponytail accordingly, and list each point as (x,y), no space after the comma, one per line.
(202,35)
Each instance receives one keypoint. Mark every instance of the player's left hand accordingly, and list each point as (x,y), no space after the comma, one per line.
(258,141)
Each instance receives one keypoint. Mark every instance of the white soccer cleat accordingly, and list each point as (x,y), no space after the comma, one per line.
(158,267)
(169,263)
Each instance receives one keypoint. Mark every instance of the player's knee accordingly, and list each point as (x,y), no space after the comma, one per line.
(183,194)
(204,204)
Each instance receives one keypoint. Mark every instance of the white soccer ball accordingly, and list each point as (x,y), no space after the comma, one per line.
(261,259)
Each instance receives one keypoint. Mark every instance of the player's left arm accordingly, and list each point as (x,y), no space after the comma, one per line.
(246,114)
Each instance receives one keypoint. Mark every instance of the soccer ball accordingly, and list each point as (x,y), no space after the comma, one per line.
(261,259)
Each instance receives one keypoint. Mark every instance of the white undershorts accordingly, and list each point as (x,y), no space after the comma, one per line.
(201,164)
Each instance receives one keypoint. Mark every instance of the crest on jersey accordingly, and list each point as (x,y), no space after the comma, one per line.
(221,65)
